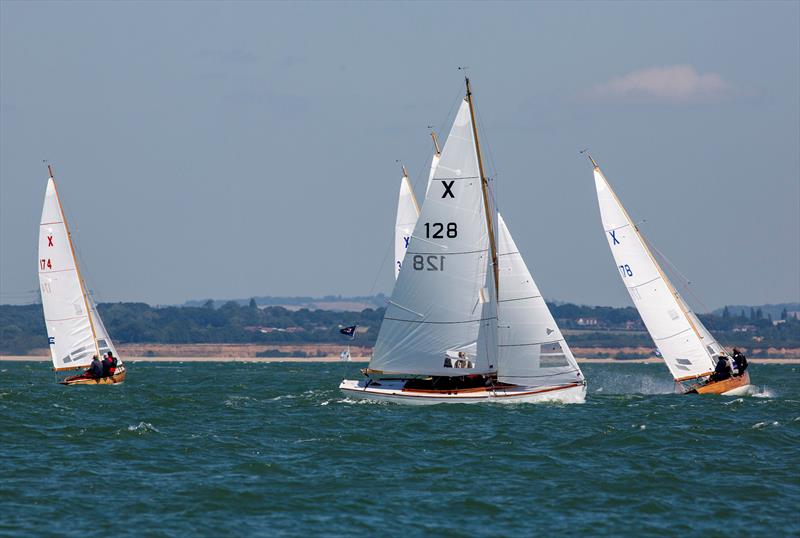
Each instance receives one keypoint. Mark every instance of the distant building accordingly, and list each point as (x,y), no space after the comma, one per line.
(587,322)
(778,322)
(744,328)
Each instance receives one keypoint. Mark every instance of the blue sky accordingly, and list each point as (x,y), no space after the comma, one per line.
(239,149)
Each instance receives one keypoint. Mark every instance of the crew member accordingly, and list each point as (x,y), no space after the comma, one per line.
(740,360)
(109,364)
(722,370)
(95,370)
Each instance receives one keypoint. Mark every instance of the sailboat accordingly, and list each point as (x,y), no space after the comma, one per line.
(408,209)
(407,213)
(74,328)
(687,347)
(466,322)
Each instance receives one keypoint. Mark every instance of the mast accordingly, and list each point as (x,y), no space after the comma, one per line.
(410,189)
(436,143)
(75,261)
(484,188)
(661,273)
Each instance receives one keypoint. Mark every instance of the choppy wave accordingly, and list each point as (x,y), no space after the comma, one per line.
(274,449)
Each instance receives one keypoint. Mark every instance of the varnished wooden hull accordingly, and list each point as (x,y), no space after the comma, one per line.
(731,386)
(118,377)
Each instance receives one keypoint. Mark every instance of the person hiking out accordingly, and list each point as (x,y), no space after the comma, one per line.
(722,370)
(740,360)
(95,369)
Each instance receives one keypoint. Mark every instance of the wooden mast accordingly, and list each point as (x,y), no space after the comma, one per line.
(661,273)
(75,261)
(485,188)
(436,142)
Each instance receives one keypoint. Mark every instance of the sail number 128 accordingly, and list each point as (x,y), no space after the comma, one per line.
(450,229)
(428,263)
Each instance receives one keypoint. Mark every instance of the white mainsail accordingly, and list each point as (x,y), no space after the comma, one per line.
(685,344)
(438,301)
(407,213)
(74,328)
(532,350)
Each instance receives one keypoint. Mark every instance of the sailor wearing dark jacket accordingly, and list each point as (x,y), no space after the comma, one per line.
(96,368)
(722,370)
(740,361)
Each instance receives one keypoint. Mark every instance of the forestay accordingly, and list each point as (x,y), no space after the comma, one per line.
(407,213)
(684,343)
(65,306)
(437,303)
(532,350)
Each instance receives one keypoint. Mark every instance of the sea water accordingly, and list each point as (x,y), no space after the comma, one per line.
(215,449)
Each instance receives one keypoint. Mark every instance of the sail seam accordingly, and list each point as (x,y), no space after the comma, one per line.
(454,178)
(508,254)
(644,283)
(533,344)
(674,335)
(519,299)
(55,271)
(439,322)
(448,253)
(47,223)
(618,228)
(66,319)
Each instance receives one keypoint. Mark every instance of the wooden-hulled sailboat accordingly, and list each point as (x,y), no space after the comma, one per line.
(465,322)
(74,328)
(689,350)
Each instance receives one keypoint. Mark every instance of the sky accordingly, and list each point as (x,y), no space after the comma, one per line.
(232,150)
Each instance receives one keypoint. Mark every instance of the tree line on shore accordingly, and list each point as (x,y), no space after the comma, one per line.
(22,326)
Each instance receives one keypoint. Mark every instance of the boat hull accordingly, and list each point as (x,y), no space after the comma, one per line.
(115,379)
(393,391)
(733,386)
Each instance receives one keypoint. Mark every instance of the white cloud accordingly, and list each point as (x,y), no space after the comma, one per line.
(672,83)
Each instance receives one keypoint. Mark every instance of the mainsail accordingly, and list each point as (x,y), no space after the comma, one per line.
(532,350)
(437,304)
(685,344)
(407,213)
(74,328)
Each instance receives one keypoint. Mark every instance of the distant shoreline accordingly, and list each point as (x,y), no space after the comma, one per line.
(652,360)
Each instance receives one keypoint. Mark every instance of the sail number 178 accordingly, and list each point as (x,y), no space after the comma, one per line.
(625,270)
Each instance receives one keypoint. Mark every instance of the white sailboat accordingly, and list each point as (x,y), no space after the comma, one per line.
(75,331)
(441,339)
(687,347)
(406,219)
(408,210)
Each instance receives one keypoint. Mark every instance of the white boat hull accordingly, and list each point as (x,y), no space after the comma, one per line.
(392,391)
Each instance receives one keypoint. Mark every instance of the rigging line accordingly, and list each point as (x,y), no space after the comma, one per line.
(686,285)
(389,248)
(441,129)
(487,143)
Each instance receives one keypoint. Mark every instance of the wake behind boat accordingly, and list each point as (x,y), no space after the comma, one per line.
(75,331)
(697,362)
(466,322)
